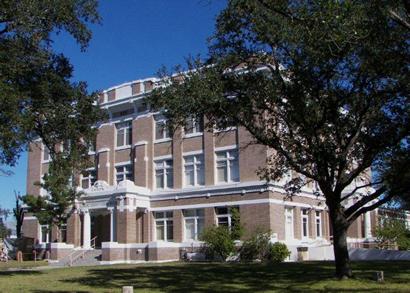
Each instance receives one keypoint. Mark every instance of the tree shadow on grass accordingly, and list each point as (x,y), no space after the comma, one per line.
(208,277)
(19,273)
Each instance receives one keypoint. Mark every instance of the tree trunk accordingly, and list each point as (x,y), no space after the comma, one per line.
(342,262)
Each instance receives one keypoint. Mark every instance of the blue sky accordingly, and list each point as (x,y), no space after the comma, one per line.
(135,39)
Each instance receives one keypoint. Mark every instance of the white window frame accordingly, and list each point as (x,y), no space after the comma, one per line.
(165,220)
(126,127)
(197,128)
(165,133)
(196,219)
(289,213)
(227,215)
(302,218)
(47,235)
(89,178)
(318,222)
(228,159)
(124,172)
(45,150)
(167,167)
(197,163)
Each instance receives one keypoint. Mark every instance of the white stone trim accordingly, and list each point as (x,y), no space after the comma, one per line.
(239,202)
(193,153)
(139,143)
(122,163)
(226,148)
(30,218)
(124,147)
(102,150)
(161,140)
(160,158)
(61,245)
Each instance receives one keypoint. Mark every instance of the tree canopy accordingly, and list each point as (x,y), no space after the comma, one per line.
(39,101)
(323,83)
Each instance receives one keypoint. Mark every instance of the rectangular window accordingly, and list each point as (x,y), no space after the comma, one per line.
(45,234)
(46,154)
(63,233)
(318,221)
(227,166)
(224,216)
(305,223)
(124,134)
(124,172)
(164,226)
(194,170)
(164,174)
(161,130)
(194,223)
(289,234)
(122,113)
(141,106)
(88,178)
(194,126)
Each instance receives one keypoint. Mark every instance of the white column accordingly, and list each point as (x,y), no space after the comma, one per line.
(112,225)
(367,225)
(86,229)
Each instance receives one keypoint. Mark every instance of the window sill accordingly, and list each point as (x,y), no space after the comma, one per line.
(163,140)
(225,130)
(124,147)
(190,135)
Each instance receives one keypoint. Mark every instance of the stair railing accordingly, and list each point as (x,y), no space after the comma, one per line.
(83,252)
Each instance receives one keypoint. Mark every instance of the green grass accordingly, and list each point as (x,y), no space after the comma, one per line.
(12,264)
(208,277)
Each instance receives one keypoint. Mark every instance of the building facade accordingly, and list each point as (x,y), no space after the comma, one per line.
(151,193)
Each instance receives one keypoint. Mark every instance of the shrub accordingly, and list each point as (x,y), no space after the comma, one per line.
(218,242)
(278,252)
(256,247)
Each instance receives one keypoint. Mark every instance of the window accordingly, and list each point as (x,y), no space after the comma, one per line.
(305,223)
(318,221)
(122,113)
(88,179)
(161,130)
(164,226)
(289,223)
(124,132)
(63,233)
(124,173)
(194,223)
(91,147)
(46,154)
(194,126)
(224,216)
(194,170)
(224,125)
(45,234)
(141,106)
(164,174)
(227,166)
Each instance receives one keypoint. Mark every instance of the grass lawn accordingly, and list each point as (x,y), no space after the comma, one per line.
(206,277)
(24,265)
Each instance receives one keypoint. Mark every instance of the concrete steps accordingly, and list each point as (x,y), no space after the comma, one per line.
(90,257)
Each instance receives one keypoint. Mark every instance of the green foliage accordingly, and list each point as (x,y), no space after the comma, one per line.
(218,242)
(323,83)
(257,247)
(38,98)
(236,227)
(392,231)
(278,252)
(18,213)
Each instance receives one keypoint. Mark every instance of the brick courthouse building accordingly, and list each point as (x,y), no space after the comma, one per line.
(150,195)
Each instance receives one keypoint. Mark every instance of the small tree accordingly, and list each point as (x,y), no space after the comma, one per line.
(392,231)
(18,212)
(219,242)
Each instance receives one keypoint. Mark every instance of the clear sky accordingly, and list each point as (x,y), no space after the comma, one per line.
(135,39)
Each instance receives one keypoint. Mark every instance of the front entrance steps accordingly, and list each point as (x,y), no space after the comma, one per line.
(91,257)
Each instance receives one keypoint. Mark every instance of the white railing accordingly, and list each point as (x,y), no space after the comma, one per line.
(82,253)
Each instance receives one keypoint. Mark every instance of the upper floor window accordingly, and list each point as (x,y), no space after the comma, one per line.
(305,223)
(46,154)
(124,132)
(227,166)
(164,174)
(194,126)
(141,106)
(122,113)
(123,172)
(194,223)
(164,226)
(162,130)
(88,178)
(194,170)
(225,124)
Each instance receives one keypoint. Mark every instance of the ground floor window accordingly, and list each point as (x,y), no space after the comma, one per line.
(305,223)
(289,223)
(45,234)
(194,223)
(227,216)
(318,221)
(63,233)
(164,226)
